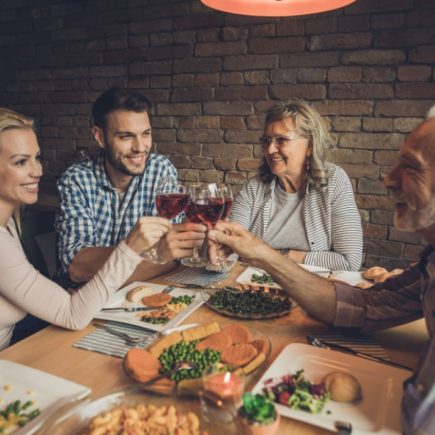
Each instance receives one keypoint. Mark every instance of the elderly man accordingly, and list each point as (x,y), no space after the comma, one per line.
(398,300)
(102,198)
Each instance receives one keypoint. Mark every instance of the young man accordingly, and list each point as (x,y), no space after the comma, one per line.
(102,198)
(399,300)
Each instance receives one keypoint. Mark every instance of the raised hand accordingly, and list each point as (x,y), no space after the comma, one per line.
(147,232)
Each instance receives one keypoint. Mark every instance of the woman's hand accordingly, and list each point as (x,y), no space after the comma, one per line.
(147,232)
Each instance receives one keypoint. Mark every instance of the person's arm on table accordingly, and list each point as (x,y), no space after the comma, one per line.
(314,294)
(177,243)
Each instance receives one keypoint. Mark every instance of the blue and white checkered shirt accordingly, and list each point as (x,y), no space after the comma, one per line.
(91,211)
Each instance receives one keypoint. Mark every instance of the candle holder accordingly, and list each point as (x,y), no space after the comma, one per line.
(223,388)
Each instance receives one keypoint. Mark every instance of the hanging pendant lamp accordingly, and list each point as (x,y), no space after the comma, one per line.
(275,8)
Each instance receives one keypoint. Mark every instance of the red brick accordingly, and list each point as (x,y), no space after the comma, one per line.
(385,157)
(242,93)
(346,123)
(161,39)
(220,48)
(402,108)
(374,57)
(169,52)
(276,45)
(308,60)
(227,108)
(371,202)
(211,177)
(405,125)
(308,92)
(199,135)
(390,21)
(234,33)
(412,73)
(248,164)
(250,62)
(358,91)
(361,170)
(375,231)
(233,122)
(356,107)
(225,149)
(400,236)
(197,65)
(425,54)
(202,162)
(231,78)
(321,24)
(370,141)
(256,77)
(206,79)
(283,76)
(341,41)
(178,109)
(263,30)
(416,90)
(192,94)
(381,217)
(311,75)
(225,164)
(377,124)
(290,27)
(355,23)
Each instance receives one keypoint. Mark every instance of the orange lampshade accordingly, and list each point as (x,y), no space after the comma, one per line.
(275,8)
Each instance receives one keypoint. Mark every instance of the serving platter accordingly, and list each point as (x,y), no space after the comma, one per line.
(119,299)
(255,304)
(378,412)
(48,392)
(192,386)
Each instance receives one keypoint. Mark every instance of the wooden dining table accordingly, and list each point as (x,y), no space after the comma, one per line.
(51,350)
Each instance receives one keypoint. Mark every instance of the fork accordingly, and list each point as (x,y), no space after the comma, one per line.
(343,427)
(128,338)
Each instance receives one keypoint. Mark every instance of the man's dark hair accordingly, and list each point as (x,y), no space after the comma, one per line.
(118,99)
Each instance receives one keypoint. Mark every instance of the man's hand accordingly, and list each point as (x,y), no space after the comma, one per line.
(146,233)
(181,239)
(239,240)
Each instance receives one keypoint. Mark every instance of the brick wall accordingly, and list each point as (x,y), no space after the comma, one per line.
(368,68)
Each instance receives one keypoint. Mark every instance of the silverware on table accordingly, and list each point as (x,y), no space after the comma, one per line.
(343,427)
(129,339)
(334,346)
(130,309)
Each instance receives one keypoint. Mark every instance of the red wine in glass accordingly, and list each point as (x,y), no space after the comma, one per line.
(170,205)
(209,210)
(228,207)
(190,214)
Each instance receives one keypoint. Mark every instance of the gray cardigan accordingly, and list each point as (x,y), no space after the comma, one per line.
(332,220)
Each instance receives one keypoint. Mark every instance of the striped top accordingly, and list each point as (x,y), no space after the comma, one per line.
(331,218)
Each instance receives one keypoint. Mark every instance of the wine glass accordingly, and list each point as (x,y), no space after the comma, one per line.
(171,199)
(195,260)
(228,198)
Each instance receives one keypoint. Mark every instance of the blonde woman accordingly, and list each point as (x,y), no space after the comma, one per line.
(22,288)
(299,203)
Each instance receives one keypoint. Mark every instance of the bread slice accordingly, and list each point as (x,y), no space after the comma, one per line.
(158,348)
(200,332)
(136,294)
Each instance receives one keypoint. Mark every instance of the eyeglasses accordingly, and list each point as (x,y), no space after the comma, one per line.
(280,141)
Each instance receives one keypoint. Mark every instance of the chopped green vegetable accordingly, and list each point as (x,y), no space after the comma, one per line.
(257,408)
(262,279)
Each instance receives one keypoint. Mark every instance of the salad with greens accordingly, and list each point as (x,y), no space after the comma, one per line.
(297,392)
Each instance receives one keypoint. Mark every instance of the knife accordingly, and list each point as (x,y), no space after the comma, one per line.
(130,309)
(334,346)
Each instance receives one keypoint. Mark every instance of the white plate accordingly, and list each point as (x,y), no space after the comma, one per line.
(351,278)
(246,276)
(378,411)
(30,384)
(118,299)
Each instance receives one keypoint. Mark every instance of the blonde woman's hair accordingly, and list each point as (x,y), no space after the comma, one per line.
(10,119)
(311,125)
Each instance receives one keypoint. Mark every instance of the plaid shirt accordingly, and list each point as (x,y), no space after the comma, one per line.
(91,212)
(399,300)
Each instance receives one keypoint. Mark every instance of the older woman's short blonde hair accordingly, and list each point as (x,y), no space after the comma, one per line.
(11,119)
(311,125)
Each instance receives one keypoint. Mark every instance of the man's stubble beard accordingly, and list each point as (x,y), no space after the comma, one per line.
(415,220)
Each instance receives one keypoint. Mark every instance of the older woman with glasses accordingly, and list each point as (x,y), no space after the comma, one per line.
(299,203)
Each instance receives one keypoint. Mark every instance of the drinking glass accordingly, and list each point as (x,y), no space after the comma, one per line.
(195,260)
(228,198)
(221,395)
(171,200)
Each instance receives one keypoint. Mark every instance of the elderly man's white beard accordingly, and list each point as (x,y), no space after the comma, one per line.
(414,219)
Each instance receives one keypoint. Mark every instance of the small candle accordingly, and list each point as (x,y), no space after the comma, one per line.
(225,385)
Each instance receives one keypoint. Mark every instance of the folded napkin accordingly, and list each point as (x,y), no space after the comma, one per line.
(104,342)
(364,343)
(195,276)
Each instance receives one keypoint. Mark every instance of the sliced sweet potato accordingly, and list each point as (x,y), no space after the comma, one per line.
(217,341)
(156,300)
(238,333)
(262,345)
(239,354)
(142,365)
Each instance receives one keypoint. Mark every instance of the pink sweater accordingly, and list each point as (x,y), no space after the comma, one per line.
(24,290)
